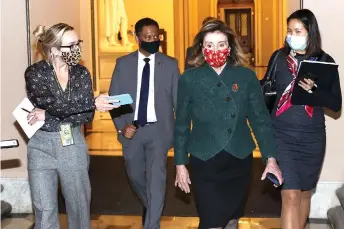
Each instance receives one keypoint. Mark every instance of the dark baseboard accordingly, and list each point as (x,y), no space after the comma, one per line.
(319,221)
(17,215)
(94,217)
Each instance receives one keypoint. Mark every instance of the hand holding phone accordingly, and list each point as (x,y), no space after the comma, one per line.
(103,103)
(123,99)
(273,179)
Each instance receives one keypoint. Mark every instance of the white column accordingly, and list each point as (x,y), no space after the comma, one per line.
(329,14)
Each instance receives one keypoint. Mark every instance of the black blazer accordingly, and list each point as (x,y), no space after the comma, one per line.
(187,57)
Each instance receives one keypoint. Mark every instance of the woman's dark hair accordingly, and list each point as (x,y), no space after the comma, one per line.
(236,55)
(207,19)
(307,18)
(144,22)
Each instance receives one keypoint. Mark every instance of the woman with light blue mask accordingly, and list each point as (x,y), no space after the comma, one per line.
(300,129)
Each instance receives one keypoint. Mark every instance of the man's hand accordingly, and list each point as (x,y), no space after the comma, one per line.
(128,131)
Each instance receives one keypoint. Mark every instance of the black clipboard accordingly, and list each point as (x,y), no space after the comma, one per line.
(322,73)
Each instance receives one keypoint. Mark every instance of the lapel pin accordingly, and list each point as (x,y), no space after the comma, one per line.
(235,87)
(160,62)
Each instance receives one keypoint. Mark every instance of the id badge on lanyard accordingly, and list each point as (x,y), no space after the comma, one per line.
(66,134)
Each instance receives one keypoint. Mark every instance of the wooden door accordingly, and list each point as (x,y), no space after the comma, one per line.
(239,20)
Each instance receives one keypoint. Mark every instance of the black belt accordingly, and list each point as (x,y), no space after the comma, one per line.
(137,125)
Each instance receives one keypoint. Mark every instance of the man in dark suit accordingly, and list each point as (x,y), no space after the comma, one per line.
(189,50)
(146,129)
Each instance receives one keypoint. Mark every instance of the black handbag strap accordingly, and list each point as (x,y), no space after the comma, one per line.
(323,57)
(270,76)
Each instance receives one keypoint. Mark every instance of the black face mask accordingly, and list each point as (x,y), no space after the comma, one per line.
(151,47)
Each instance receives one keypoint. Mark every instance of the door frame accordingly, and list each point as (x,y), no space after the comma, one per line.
(240,6)
(186,25)
(280,13)
(280,10)
(250,23)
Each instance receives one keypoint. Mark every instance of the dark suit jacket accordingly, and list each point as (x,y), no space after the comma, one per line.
(124,80)
(219,108)
(187,57)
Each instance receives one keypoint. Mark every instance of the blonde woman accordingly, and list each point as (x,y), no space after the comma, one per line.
(61,91)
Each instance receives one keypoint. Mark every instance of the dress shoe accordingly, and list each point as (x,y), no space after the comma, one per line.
(144,216)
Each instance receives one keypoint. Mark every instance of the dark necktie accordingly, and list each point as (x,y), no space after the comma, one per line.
(142,113)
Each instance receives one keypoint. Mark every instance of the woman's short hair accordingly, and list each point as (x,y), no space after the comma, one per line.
(308,19)
(236,55)
(51,37)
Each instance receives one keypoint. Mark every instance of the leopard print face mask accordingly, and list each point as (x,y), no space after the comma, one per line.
(72,57)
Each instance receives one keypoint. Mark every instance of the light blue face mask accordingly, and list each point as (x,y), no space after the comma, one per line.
(297,43)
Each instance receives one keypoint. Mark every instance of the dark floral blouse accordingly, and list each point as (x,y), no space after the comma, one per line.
(73,105)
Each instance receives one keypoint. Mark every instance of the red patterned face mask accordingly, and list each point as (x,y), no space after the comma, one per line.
(217,58)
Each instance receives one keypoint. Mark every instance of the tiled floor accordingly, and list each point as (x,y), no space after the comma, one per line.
(134,222)
(102,141)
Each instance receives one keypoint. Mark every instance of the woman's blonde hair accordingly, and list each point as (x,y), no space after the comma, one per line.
(236,55)
(49,38)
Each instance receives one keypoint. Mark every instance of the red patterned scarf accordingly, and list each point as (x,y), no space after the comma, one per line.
(284,102)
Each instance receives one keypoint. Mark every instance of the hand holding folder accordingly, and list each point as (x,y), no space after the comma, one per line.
(322,73)
(21,112)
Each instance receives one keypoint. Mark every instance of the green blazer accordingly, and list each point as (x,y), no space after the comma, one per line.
(219,106)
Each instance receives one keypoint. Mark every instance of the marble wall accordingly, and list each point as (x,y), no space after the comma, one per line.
(16,192)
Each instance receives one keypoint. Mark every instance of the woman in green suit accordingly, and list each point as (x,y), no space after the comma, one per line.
(219,97)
